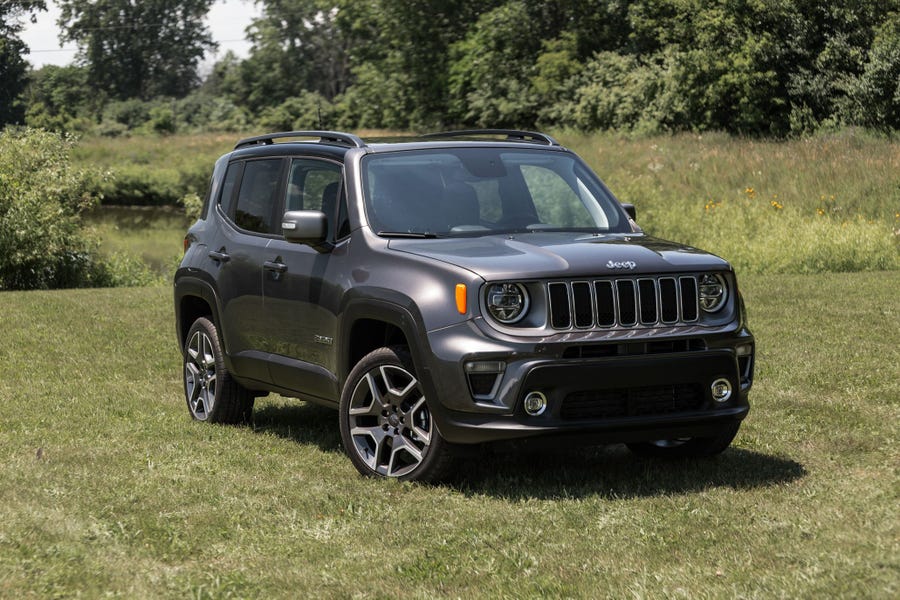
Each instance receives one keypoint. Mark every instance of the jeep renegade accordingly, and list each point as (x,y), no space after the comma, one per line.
(452,290)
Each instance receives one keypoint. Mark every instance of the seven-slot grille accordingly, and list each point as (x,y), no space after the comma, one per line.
(625,302)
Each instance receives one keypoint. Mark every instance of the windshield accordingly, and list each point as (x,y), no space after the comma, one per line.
(481,191)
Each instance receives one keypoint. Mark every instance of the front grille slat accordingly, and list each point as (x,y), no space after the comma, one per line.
(623,303)
(560,314)
(668,296)
(627,302)
(647,300)
(581,298)
(689,298)
(606,306)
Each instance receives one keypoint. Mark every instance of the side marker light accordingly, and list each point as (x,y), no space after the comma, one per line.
(461,298)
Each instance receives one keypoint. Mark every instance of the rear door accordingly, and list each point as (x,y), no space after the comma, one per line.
(248,206)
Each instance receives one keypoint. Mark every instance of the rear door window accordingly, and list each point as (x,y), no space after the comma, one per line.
(258,195)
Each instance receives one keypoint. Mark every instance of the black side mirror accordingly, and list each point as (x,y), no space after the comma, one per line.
(308,227)
(630,211)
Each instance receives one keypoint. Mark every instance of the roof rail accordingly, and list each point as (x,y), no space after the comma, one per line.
(511,134)
(332,137)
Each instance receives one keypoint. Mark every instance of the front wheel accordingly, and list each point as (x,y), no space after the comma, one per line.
(687,447)
(386,425)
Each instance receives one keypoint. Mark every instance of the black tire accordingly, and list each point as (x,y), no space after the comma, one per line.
(687,448)
(211,393)
(386,423)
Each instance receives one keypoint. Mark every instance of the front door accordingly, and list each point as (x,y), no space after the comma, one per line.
(302,290)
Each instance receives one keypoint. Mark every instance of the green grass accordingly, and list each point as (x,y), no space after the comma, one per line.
(108,488)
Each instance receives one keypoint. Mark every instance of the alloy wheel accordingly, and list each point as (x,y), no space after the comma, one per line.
(389,421)
(200,375)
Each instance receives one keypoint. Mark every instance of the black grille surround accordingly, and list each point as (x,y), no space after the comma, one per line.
(623,302)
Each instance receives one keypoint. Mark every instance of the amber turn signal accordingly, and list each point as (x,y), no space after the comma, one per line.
(461,298)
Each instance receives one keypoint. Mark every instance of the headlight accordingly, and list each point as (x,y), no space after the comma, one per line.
(507,302)
(713,292)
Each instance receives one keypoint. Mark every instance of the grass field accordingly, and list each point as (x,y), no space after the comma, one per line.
(108,488)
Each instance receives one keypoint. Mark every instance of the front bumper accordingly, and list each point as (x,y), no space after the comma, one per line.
(623,398)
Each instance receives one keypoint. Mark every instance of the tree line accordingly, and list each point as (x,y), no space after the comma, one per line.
(750,67)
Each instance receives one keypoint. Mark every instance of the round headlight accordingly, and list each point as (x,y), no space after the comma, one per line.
(507,302)
(713,292)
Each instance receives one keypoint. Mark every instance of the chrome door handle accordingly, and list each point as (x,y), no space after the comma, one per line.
(219,255)
(274,266)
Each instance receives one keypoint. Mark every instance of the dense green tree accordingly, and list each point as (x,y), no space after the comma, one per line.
(758,67)
(60,99)
(13,67)
(492,67)
(751,66)
(139,48)
(873,97)
(516,61)
(297,46)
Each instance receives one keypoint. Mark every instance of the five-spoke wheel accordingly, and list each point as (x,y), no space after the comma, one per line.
(211,393)
(386,423)
(200,375)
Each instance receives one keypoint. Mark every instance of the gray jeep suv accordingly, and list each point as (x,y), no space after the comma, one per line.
(451,290)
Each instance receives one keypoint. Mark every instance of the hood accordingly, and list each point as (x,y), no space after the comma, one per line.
(547,255)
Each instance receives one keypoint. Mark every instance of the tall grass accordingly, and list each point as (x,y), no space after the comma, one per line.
(829,203)
(151,235)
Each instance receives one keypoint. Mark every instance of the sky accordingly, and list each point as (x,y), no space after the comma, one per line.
(227,20)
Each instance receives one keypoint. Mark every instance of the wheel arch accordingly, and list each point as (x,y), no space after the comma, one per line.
(195,298)
(369,324)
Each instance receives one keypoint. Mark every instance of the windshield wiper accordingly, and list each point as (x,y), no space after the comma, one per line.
(409,234)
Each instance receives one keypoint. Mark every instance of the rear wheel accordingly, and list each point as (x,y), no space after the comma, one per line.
(687,447)
(386,423)
(211,393)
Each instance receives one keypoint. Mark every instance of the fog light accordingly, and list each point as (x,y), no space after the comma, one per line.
(721,390)
(744,350)
(535,403)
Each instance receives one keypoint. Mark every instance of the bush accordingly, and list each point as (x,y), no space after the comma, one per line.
(193,206)
(130,113)
(613,92)
(377,99)
(42,197)
(306,111)
(201,111)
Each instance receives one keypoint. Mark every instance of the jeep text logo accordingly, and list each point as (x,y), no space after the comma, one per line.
(628,264)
